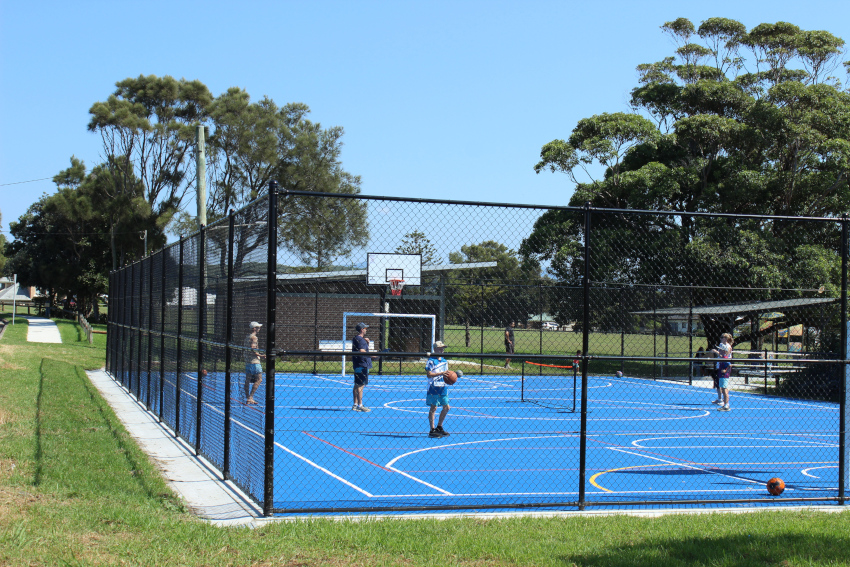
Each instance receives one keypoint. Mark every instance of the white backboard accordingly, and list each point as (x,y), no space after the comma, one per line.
(382,267)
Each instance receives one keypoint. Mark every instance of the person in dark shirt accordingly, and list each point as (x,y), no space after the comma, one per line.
(361,364)
(509,342)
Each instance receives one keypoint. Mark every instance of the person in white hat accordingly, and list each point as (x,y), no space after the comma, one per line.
(253,369)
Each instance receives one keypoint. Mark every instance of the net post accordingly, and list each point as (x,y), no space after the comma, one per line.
(522,384)
(271,314)
(202,308)
(765,372)
(228,354)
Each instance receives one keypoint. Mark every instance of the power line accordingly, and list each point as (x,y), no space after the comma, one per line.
(30,181)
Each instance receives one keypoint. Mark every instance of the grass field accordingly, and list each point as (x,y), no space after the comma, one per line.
(76,490)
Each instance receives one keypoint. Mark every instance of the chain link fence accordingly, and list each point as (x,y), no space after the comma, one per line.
(589,341)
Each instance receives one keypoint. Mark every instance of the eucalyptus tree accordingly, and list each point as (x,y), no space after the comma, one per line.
(734,121)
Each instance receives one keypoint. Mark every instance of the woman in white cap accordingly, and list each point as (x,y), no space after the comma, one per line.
(253,369)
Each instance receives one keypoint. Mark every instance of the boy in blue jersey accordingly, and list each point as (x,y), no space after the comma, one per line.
(438,394)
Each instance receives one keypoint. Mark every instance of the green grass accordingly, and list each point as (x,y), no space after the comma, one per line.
(76,490)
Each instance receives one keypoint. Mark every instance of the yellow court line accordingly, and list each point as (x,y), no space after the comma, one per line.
(597,475)
(594,477)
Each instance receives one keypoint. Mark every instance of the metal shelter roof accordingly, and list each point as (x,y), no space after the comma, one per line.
(739,308)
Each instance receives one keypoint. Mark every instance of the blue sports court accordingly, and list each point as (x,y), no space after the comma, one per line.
(515,442)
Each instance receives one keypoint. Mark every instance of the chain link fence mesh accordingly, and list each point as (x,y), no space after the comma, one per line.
(590,343)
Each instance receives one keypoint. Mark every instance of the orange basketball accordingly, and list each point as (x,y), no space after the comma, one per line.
(450,377)
(775,486)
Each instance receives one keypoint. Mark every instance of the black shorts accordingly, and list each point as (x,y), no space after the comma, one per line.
(509,348)
(361,377)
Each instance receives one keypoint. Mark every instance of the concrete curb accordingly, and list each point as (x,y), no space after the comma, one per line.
(195,480)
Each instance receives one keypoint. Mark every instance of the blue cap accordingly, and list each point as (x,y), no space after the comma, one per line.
(361,326)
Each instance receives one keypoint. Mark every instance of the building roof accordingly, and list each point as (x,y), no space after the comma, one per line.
(15,292)
(739,308)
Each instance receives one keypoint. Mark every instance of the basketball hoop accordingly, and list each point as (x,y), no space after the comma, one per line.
(396,286)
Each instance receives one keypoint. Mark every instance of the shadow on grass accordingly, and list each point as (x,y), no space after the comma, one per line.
(751,549)
(87,458)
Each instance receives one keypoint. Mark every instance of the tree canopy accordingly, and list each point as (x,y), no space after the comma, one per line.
(67,243)
(733,121)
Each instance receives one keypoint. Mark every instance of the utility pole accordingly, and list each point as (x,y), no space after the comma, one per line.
(201,175)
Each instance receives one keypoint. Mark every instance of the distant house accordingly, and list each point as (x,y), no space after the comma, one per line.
(10,292)
(543,320)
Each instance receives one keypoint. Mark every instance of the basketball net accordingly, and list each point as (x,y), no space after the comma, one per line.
(396,286)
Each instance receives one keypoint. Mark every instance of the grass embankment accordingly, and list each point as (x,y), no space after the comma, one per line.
(76,490)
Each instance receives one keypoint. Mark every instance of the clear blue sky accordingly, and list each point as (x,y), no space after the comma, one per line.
(447,99)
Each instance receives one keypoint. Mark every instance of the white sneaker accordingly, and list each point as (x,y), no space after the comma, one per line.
(363,408)
(718,401)
(354,408)
(724,408)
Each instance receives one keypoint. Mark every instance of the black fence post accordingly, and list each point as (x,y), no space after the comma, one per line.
(122,316)
(150,329)
(271,308)
(540,310)
(109,333)
(179,339)
(844,375)
(228,356)
(141,280)
(134,324)
(316,331)
(585,343)
(202,310)
(382,325)
(162,337)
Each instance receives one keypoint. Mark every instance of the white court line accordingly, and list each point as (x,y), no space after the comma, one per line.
(636,442)
(806,471)
(573,417)
(321,468)
(392,462)
(290,451)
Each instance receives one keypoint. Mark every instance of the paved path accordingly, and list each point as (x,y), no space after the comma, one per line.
(42,330)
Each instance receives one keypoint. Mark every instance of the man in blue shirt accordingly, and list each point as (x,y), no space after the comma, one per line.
(362,364)
(437,395)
